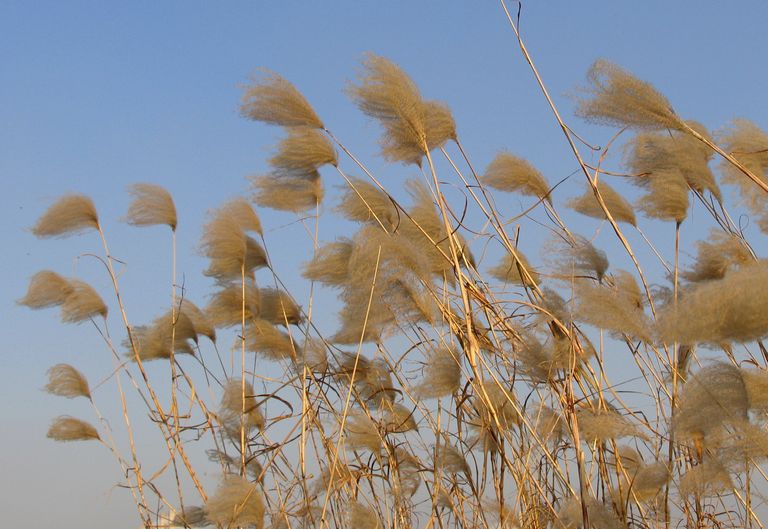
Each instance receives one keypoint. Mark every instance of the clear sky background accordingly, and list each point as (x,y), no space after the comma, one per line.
(95,96)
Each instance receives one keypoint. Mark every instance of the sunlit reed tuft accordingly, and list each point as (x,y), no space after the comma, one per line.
(151,205)
(278,307)
(303,151)
(66,381)
(512,174)
(515,270)
(236,502)
(616,97)
(69,215)
(360,516)
(442,374)
(716,256)
(734,308)
(364,202)
(617,206)
(666,197)
(46,289)
(225,309)
(264,338)
(274,100)
(65,428)
(295,194)
(167,333)
(330,263)
(83,303)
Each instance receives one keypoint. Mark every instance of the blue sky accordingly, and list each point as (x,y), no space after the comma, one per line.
(98,95)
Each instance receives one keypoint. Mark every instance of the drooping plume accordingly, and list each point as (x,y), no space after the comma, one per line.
(66,381)
(731,309)
(239,408)
(65,428)
(303,152)
(274,100)
(616,97)
(330,265)
(442,374)
(364,202)
(515,270)
(617,206)
(264,338)
(278,307)
(69,215)
(151,205)
(512,174)
(171,332)
(236,502)
(295,194)
(225,243)
(716,256)
(83,303)
(46,289)
(225,309)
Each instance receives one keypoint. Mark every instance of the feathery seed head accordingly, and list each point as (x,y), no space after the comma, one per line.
(83,303)
(303,152)
(616,97)
(330,263)
(442,374)
(226,306)
(65,428)
(151,205)
(69,215)
(66,381)
(264,338)
(279,308)
(46,289)
(617,206)
(716,256)
(288,193)
(274,100)
(236,502)
(512,174)
(364,202)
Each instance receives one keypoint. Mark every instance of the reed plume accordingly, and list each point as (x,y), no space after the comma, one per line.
(225,309)
(66,381)
(200,321)
(69,215)
(397,418)
(617,308)
(83,303)
(716,256)
(617,206)
(236,502)
(748,143)
(598,425)
(616,97)
(46,289)
(236,410)
(666,196)
(709,478)
(601,516)
(191,517)
(512,174)
(362,433)
(731,309)
(224,243)
(442,374)
(713,398)
(166,334)
(303,151)
(245,216)
(264,338)
(515,270)
(364,202)
(278,307)
(274,100)
(295,194)
(450,459)
(151,205)
(581,258)
(330,263)
(651,153)
(66,428)
(386,93)
(361,516)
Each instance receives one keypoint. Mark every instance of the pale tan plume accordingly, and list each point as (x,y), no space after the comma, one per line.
(236,502)
(513,174)
(274,100)
(616,97)
(286,193)
(617,206)
(46,289)
(278,307)
(70,214)
(364,202)
(330,263)
(66,381)
(82,304)
(303,151)
(265,339)
(151,205)
(225,309)
(65,428)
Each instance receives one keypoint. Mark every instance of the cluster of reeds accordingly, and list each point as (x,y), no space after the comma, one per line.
(455,390)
